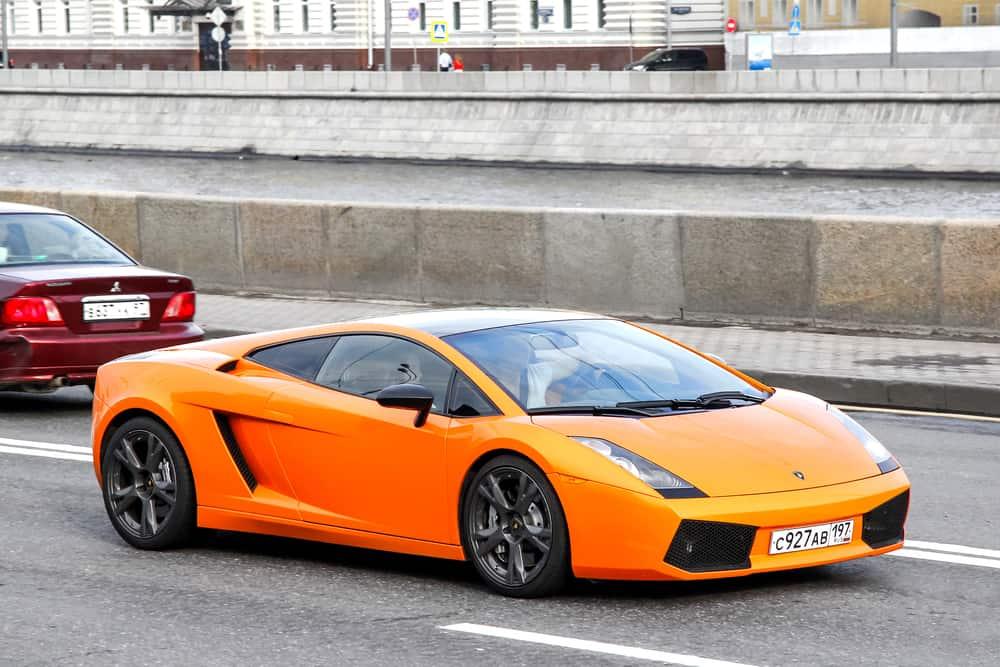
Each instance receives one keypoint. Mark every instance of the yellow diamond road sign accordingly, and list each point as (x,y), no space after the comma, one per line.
(439,32)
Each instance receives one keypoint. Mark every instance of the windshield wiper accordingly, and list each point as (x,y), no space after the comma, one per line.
(673,403)
(720,396)
(596,410)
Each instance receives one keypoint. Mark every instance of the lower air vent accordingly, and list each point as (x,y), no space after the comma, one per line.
(884,524)
(226,430)
(707,546)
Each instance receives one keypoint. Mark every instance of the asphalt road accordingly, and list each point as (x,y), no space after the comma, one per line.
(408,184)
(71,592)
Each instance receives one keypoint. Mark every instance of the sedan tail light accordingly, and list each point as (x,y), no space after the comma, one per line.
(31,311)
(180,308)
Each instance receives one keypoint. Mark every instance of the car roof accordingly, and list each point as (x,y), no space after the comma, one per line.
(442,323)
(11,207)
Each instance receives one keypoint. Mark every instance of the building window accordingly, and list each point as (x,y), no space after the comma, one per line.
(815,15)
(850,15)
(423,17)
(567,14)
(333,16)
(602,13)
(305,15)
(747,17)
(67,22)
(38,16)
(970,14)
(781,11)
(489,15)
(456,16)
(533,8)
(276,15)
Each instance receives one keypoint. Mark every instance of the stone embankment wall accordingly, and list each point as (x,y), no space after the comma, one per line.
(881,273)
(913,121)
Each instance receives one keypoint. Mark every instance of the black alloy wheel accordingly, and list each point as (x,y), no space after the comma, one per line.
(147,483)
(514,529)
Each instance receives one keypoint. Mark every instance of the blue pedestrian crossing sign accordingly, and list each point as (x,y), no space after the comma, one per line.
(795,26)
(439,32)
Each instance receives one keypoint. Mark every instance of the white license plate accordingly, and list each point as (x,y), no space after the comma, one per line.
(103,311)
(811,537)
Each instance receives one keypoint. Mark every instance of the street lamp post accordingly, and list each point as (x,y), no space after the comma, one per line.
(3,34)
(388,35)
(893,51)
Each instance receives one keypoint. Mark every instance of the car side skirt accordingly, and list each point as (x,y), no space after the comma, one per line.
(243,522)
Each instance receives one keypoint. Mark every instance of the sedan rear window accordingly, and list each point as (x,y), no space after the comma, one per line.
(49,238)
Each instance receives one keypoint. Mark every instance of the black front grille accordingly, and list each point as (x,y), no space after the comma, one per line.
(705,546)
(884,524)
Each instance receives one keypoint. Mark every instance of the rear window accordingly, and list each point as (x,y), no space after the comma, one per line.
(48,238)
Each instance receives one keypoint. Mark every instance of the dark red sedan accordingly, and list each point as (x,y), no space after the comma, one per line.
(70,301)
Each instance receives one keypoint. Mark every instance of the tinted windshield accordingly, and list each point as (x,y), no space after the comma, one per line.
(592,362)
(48,238)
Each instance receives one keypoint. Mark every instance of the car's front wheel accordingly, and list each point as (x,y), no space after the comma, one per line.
(148,487)
(514,529)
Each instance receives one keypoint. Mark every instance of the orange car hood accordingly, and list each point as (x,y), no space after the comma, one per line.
(737,451)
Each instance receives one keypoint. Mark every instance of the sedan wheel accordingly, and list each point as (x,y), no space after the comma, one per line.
(148,490)
(514,529)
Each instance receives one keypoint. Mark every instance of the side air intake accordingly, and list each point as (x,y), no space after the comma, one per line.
(226,431)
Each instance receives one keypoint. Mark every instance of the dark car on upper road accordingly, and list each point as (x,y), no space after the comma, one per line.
(670,60)
(70,300)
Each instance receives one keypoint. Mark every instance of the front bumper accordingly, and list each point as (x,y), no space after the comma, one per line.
(40,356)
(619,534)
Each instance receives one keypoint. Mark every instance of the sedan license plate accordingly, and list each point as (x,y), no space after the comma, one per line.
(811,537)
(135,308)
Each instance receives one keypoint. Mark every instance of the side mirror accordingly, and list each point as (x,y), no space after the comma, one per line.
(408,397)
(717,358)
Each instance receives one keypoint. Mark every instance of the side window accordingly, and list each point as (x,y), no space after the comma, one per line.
(365,364)
(301,358)
(468,401)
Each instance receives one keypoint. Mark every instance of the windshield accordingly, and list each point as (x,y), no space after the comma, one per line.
(49,238)
(652,56)
(592,363)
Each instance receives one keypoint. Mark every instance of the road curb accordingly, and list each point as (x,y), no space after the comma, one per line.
(874,392)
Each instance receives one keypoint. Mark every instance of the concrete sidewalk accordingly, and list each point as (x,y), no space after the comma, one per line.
(926,374)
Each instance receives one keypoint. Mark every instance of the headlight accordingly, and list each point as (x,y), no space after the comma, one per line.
(880,455)
(666,483)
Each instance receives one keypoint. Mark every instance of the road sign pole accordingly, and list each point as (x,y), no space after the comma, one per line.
(388,35)
(670,33)
(893,49)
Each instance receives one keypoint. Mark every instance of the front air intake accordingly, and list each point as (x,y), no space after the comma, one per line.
(707,546)
(884,524)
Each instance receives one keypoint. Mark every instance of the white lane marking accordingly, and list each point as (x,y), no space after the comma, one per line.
(592,646)
(946,558)
(953,548)
(919,413)
(24,451)
(76,449)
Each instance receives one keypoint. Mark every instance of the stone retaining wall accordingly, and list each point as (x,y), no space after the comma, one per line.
(846,271)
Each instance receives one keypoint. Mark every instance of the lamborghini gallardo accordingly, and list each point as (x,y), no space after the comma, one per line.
(539,445)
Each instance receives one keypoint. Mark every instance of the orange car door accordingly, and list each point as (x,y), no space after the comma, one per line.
(354,463)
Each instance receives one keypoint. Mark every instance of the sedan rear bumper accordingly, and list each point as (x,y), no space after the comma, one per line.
(618,534)
(48,355)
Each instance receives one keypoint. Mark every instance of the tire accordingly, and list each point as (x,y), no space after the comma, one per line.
(149,493)
(504,535)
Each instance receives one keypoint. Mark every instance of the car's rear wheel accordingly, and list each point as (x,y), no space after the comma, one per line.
(148,487)
(514,529)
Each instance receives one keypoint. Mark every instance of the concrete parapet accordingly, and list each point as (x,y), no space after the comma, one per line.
(881,273)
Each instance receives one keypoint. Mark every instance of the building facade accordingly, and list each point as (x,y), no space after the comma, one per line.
(350,34)
(853,14)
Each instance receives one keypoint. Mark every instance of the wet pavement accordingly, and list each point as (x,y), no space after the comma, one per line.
(403,183)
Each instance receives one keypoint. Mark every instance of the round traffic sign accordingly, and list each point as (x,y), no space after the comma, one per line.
(730,25)
(218,33)
(413,13)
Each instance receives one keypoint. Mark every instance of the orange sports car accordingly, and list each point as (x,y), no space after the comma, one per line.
(536,444)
